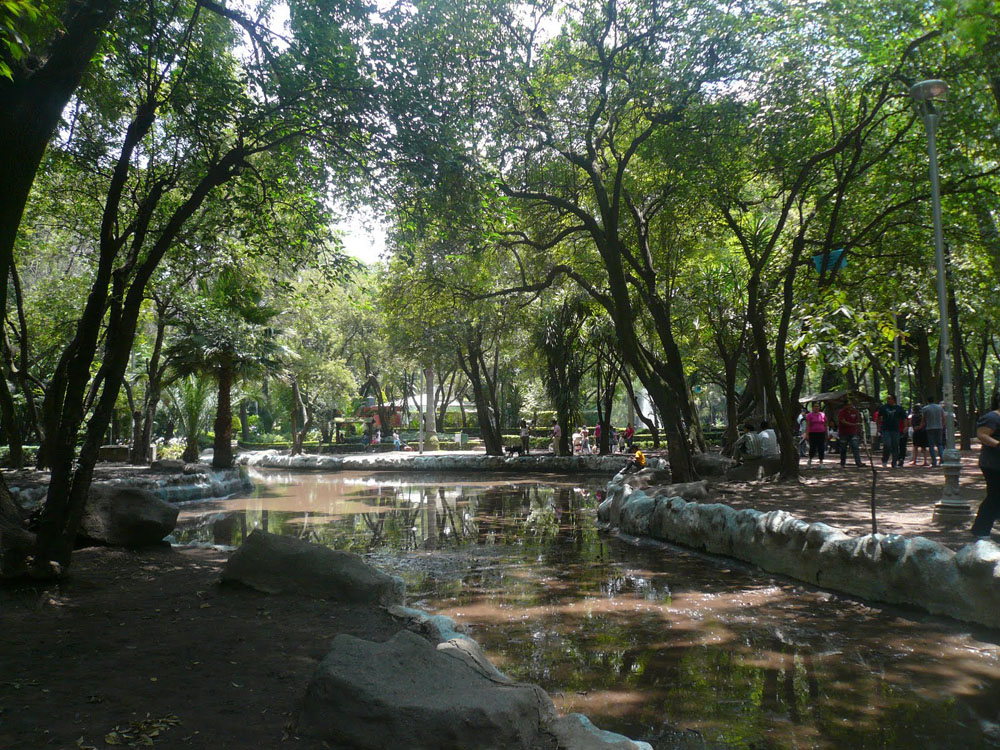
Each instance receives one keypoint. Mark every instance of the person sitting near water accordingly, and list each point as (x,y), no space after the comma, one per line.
(635,463)
(769,440)
(749,446)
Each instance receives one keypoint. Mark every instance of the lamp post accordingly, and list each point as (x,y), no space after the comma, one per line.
(951,503)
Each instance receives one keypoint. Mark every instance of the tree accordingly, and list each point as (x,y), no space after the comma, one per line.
(557,336)
(190,397)
(221,121)
(225,333)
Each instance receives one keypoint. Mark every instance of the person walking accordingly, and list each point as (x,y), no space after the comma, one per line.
(849,429)
(629,434)
(525,437)
(919,435)
(988,434)
(904,436)
(816,432)
(933,415)
(892,416)
(556,435)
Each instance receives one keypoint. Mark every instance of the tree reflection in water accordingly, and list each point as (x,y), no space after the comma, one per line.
(641,640)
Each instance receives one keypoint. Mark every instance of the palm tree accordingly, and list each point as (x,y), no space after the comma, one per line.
(225,334)
(191,400)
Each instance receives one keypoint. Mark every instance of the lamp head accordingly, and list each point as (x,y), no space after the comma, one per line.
(926,91)
(925,94)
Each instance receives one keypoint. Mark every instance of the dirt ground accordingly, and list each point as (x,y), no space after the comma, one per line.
(841,497)
(140,647)
(141,642)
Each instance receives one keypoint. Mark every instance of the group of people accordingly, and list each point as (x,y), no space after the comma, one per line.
(923,425)
(580,444)
(892,428)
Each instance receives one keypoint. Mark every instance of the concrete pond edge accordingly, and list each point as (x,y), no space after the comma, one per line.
(400,461)
(890,568)
(195,482)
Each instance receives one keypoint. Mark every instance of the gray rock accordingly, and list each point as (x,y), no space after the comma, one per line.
(284,564)
(648,478)
(405,693)
(16,545)
(884,567)
(636,515)
(575,732)
(688,490)
(167,466)
(980,560)
(750,471)
(436,628)
(712,464)
(126,517)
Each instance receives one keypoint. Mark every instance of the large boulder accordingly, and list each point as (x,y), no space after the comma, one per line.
(407,693)
(712,464)
(285,564)
(754,469)
(167,466)
(126,517)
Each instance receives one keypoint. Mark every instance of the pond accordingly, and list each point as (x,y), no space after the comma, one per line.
(648,640)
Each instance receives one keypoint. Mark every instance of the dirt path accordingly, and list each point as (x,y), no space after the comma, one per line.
(153,634)
(905,498)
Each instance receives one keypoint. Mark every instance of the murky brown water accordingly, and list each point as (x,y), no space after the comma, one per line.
(647,641)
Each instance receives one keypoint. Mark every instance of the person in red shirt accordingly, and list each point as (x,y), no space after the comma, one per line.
(849,429)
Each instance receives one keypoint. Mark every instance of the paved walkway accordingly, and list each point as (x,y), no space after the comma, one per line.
(905,498)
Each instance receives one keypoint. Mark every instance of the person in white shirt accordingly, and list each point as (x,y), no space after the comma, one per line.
(769,440)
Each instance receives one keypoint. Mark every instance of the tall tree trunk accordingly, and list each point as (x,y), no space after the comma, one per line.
(301,418)
(732,419)
(222,449)
(32,102)
(483,392)
(10,425)
(245,423)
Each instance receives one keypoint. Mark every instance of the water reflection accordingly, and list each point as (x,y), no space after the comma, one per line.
(642,640)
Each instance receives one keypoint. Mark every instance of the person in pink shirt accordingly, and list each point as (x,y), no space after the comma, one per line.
(816,432)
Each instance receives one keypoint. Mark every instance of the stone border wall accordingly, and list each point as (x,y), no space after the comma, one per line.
(404,461)
(889,568)
(200,484)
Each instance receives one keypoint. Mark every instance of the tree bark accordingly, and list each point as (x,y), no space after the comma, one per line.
(31,105)
(245,424)
(222,448)
(474,366)
(11,426)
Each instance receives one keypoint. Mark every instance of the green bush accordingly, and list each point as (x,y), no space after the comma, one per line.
(30,455)
(172,451)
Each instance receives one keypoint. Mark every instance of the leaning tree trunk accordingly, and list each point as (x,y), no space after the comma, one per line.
(222,453)
(300,416)
(11,428)
(32,101)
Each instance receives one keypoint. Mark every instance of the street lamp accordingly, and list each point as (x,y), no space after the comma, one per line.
(925,94)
